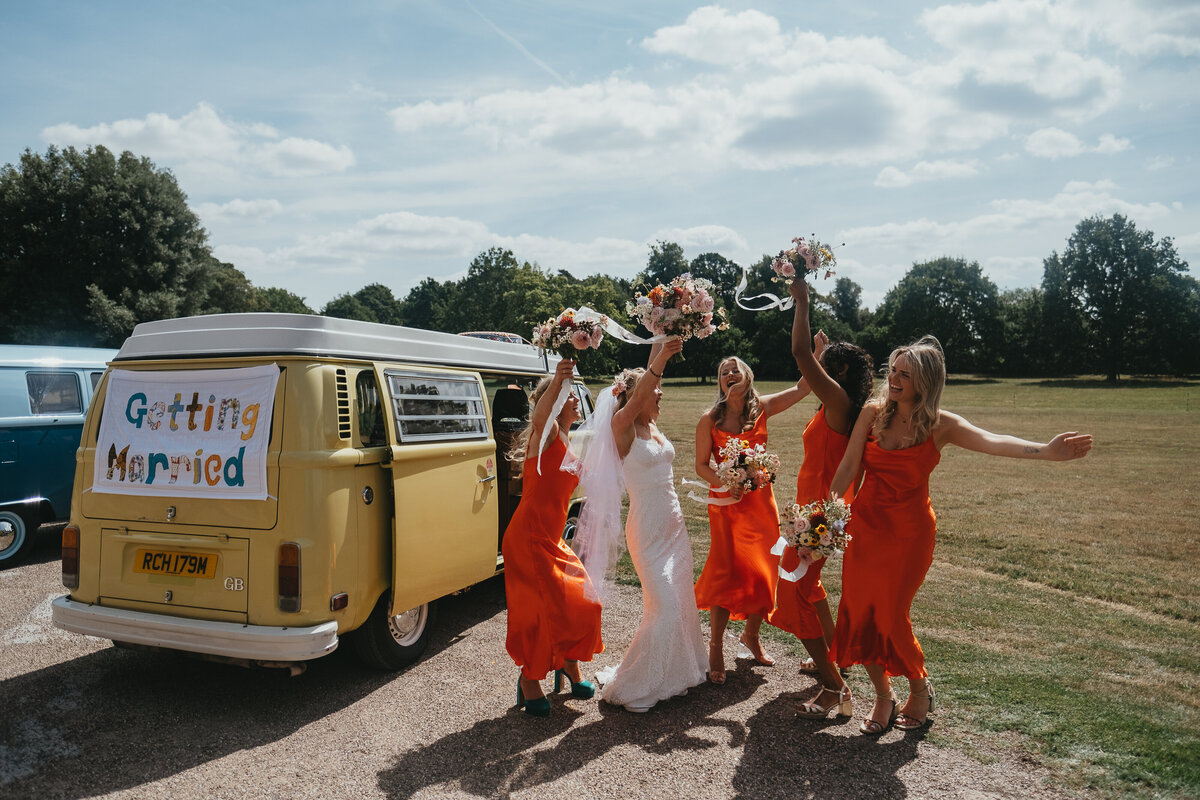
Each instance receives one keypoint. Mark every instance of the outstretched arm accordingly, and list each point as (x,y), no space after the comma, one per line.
(953,429)
(782,401)
(545,404)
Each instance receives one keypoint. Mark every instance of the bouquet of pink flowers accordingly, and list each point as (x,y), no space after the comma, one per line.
(685,308)
(805,256)
(749,467)
(818,529)
(566,334)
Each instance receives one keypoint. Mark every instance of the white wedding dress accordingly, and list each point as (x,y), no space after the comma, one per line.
(667,655)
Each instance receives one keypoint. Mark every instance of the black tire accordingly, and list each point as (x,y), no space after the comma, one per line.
(393,642)
(17,532)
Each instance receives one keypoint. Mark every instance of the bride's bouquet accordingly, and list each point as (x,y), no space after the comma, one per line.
(684,308)
(745,466)
(566,334)
(805,256)
(817,530)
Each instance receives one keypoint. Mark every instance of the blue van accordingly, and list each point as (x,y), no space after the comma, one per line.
(44,394)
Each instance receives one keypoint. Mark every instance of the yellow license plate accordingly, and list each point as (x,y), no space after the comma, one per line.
(188,565)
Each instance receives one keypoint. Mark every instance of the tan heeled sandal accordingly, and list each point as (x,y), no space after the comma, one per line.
(906,722)
(870,727)
(843,701)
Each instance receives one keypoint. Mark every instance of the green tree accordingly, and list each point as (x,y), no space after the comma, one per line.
(1024,348)
(426,305)
(846,303)
(953,300)
(107,241)
(1121,288)
(273,298)
(348,306)
(230,291)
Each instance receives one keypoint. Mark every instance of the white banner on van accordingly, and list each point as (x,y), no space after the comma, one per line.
(193,433)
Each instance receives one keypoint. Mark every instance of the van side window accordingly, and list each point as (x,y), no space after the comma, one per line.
(95,376)
(429,407)
(54,393)
(370,410)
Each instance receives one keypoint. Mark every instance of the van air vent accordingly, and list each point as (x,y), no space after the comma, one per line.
(343,403)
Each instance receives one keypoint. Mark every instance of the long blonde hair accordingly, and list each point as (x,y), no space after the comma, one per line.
(927,363)
(623,384)
(753,404)
(520,443)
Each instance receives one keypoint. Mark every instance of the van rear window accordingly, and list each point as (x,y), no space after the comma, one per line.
(53,393)
(430,407)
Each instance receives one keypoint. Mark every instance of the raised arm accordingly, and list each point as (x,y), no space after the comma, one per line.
(782,401)
(641,399)
(545,404)
(953,429)
(850,469)
(830,393)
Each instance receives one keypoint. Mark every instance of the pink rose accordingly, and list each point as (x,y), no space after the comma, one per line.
(703,302)
(597,335)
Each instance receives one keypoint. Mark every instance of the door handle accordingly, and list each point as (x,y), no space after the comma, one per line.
(488,478)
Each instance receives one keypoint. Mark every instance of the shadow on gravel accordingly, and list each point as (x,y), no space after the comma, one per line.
(786,756)
(118,719)
(499,756)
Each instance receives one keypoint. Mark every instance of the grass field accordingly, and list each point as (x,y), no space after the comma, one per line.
(1062,612)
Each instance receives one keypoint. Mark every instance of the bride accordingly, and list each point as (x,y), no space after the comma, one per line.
(667,655)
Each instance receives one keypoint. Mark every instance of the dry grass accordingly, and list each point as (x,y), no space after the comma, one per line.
(1063,604)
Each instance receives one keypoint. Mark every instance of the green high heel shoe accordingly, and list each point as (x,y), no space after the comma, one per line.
(534,706)
(584,690)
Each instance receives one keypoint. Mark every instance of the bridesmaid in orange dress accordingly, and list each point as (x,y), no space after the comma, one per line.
(739,576)
(840,374)
(552,623)
(896,443)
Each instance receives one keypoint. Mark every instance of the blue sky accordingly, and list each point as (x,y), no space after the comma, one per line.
(326,146)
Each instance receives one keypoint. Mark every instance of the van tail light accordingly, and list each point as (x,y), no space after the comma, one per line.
(70,557)
(289,576)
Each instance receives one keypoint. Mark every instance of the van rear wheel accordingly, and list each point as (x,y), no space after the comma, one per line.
(392,642)
(16,536)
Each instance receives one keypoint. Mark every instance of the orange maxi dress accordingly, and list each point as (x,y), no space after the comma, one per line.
(893,528)
(740,573)
(550,616)
(795,603)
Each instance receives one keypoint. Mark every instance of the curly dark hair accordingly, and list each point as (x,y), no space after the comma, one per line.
(859,379)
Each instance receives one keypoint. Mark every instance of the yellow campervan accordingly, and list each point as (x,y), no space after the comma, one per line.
(253,487)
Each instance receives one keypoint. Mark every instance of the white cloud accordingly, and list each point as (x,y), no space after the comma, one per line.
(704,239)
(894,177)
(239,209)
(1159,162)
(1026,54)
(1077,200)
(202,140)
(1053,143)
(716,36)
(1057,143)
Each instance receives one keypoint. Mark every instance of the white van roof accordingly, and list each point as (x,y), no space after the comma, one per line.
(32,355)
(217,335)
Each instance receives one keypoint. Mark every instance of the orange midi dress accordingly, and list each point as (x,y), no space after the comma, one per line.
(550,616)
(893,527)
(795,603)
(740,573)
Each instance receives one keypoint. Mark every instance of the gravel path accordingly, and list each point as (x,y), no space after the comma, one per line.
(85,719)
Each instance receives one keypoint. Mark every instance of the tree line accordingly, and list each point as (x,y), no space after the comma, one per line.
(92,243)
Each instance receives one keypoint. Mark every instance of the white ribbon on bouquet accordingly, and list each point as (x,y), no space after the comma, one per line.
(798,572)
(712,501)
(612,329)
(773,301)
